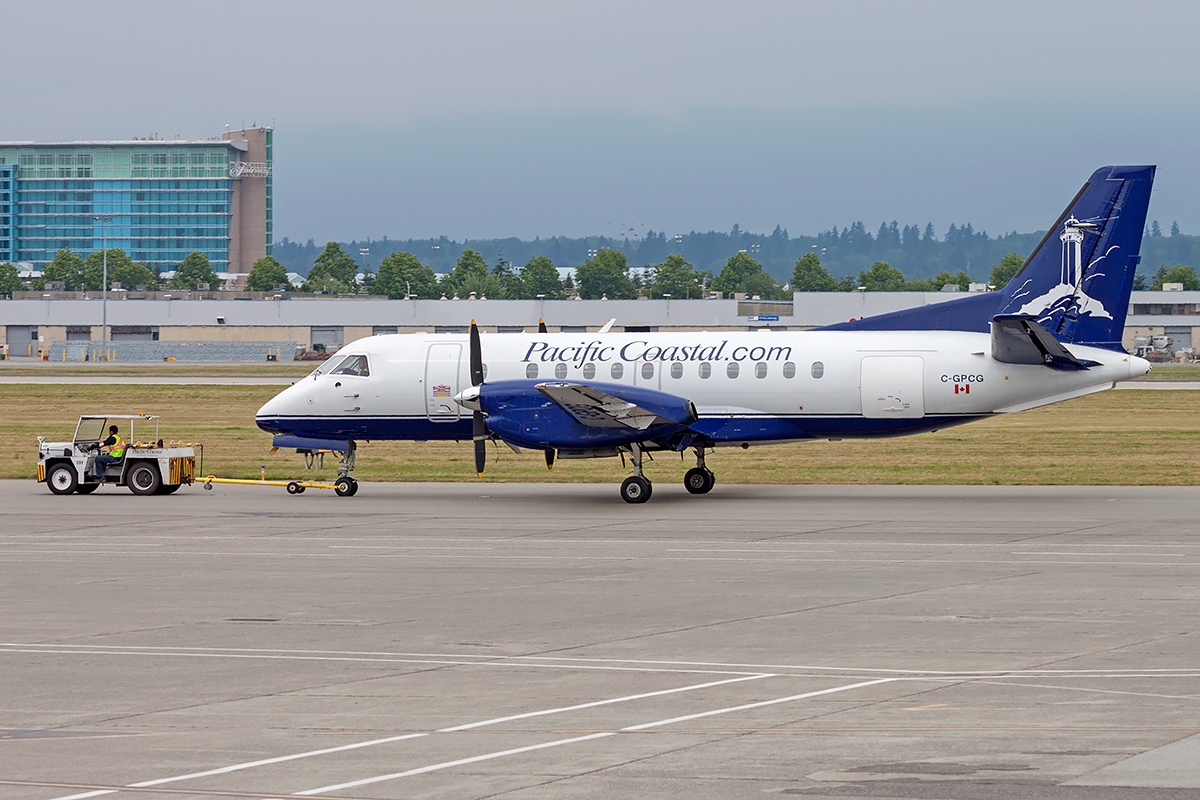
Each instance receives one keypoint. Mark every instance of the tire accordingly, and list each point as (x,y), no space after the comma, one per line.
(143,479)
(294,488)
(86,488)
(169,489)
(636,490)
(62,480)
(345,486)
(699,480)
(354,488)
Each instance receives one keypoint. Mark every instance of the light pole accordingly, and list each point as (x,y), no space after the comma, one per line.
(104,278)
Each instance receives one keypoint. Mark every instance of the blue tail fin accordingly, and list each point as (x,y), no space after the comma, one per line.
(1077,288)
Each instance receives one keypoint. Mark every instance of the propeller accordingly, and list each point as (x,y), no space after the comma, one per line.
(550,453)
(542,325)
(478,425)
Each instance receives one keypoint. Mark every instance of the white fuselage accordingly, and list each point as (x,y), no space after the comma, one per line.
(826,383)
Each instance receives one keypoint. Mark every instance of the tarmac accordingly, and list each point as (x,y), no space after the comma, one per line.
(550,641)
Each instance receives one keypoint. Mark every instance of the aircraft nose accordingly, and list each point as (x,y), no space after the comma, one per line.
(267,416)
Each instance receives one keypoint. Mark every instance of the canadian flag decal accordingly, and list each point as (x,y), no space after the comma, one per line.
(962,388)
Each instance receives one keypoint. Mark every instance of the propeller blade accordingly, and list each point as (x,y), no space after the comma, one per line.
(479,436)
(550,453)
(476,356)
(542,326)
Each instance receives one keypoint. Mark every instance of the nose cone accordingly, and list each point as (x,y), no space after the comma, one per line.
(269,416)
(1138,366)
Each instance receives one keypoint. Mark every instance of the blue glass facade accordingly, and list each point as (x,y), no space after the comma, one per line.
(165,200)
(7,240)
(156,222)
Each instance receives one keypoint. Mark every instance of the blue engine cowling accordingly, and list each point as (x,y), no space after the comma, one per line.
(519,413)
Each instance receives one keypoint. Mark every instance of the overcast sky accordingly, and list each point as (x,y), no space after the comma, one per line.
(482,119)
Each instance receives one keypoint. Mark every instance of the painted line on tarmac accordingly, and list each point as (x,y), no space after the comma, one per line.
(134,380)
(585,662)
(418,735)
(448,661)
(916,561)
(601,735)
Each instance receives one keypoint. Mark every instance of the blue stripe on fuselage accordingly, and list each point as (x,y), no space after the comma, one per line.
(717,430)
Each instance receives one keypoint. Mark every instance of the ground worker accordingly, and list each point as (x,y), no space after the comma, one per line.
(112,450)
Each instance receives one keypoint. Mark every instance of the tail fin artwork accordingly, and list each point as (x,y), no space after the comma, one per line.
(1077,287)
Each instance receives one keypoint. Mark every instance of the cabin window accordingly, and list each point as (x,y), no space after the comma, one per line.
(531,370)
(560,371)
(647,369)
(705,369)
(617,371)
(677,370)
(732,369)
(818,369)
(789,370)
(589,371)
(760,369)
(353,365)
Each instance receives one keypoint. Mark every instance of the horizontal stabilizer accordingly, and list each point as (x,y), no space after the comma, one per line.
(313,445)
(1020,339)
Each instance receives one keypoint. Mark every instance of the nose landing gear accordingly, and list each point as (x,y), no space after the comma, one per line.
(345,485)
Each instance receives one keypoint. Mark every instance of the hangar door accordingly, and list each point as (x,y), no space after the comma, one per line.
(893,387)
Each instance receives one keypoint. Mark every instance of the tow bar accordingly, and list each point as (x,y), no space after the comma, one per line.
(344,486)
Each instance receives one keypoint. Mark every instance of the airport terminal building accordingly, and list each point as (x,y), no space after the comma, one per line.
(157,200)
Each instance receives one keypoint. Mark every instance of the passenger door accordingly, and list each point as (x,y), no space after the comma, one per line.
(441,382)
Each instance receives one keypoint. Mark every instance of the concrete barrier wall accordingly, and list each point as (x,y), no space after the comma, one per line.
(76,351)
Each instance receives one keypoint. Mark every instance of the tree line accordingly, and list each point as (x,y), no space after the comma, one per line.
(917,252)
(77,273)
(606,269)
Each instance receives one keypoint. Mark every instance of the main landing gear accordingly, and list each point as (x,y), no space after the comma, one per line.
(699,479)
(637,488)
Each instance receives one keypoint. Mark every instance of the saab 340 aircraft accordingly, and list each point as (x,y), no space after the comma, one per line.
(1053,333)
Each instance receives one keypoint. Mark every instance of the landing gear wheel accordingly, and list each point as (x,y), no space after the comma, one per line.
(345,486)
(699,480)
(169,489)
(86,488)
(144,479)
(294,487)
(62,480)
(636,489)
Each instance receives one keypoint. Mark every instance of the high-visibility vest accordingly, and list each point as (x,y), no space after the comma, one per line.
(118,448)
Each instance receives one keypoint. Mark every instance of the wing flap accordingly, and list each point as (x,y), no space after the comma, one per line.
(596,408)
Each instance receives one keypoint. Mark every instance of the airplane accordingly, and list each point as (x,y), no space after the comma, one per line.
(1051,334)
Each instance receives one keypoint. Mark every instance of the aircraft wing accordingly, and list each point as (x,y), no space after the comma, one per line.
(596,408)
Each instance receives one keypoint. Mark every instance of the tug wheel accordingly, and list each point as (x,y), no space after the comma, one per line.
(294,487)
(61,479)
(144,479)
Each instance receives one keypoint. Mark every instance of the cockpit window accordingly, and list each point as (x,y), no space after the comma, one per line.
(326,366)
(353,365)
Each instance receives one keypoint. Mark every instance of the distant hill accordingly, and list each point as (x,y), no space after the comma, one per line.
(917,252)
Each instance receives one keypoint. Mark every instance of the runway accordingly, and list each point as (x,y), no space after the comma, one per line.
(537,641)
